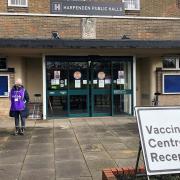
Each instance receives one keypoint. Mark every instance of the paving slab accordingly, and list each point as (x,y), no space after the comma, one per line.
(66,143)
(64,134)
(20,145)
(38,174)
(96,155)
(41,149)
(92,148)
(120,154)
(33,162)
(10,172)
(12,156)
(41,139)
(71,169)
(88,140)
(115,146)
(71,153)
(99,164)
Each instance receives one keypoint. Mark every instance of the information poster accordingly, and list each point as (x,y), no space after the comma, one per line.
(159,129)
(95,81)
(77,83)
(84,81)
(57,74)
(107,81)
(101,83)
(120,81)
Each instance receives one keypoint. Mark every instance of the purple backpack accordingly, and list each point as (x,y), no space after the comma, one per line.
(17,99)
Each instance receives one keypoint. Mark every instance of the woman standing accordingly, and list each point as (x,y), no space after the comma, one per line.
(19,98)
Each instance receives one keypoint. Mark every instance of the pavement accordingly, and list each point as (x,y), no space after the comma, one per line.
(67,149)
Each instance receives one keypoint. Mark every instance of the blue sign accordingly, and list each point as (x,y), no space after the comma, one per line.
(89,8)
(172,84)
(4,86)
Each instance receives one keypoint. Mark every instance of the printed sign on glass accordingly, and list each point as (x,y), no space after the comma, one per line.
(77,75)
(57,74)
(101,75)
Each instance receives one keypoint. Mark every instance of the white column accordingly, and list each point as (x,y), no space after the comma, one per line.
(44,86)
(134,82)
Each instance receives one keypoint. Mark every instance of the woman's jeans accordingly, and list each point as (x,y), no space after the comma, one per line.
(18,116)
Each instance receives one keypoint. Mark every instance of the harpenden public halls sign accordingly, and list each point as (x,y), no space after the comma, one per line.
(87,8)
(159,129)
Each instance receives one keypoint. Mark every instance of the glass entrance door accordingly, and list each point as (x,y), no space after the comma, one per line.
(85,86)
(78,89)
(101,88)
(57,88)
(122,87)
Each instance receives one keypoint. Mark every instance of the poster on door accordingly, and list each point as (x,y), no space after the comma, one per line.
(54,82)
(101,83)
(57,74)
(121,79)
(77,83)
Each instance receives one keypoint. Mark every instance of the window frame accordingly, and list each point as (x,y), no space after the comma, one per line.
(132,9)
(8,76)
(177,59)
(17,5)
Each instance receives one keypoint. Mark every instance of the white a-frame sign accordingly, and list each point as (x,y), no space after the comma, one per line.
(159,130)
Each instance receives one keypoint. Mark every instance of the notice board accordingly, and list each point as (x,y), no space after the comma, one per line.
(159,130)
(4,85)
(171,83)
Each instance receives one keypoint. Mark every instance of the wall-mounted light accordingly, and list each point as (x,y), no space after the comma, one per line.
(55,35)
(125,37)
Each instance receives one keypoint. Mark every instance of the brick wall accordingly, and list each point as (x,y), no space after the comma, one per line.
(159,8)
(138,29)
(41,27)
(148,7)
(38,27)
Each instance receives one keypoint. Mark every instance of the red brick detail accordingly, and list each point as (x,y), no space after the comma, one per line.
(111,173)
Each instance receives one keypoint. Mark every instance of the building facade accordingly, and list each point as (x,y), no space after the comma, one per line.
(91,58)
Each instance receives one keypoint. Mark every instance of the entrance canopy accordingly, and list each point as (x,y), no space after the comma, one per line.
(79,43)
(126,47)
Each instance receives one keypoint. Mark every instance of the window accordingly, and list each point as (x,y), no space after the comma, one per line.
(4,85)
(171,63)
(131,4)
(19,3)
(178,3)
(3,63)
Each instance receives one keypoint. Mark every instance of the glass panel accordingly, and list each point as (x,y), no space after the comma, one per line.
(57,76)
(169,63)
(122,104)
(122,75)
(131,4)
(78,104)
(78,75)
(102,103)
(57,105)
(101,75)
